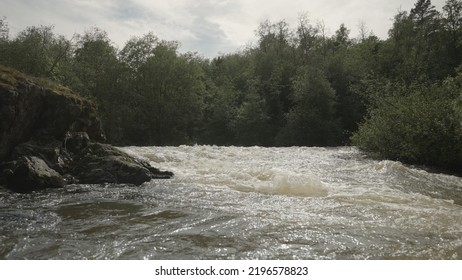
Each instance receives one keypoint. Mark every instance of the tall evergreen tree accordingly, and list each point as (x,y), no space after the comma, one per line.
(453,25)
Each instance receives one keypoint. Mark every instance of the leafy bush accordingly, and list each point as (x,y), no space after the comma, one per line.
(416,124)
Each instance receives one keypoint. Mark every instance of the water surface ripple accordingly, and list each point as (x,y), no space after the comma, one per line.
(244,203)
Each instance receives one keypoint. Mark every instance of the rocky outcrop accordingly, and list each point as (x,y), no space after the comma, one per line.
(28,173)
(30,111)
(50,137)
(99,163)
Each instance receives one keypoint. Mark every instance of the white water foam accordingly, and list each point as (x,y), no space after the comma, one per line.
(208,165)
(244,203)
(288,183)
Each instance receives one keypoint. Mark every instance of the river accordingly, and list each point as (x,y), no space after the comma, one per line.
(244,203)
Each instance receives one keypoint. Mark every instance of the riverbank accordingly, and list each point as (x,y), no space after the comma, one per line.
(51,137)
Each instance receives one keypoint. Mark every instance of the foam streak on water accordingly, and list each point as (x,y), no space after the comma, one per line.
(237,203)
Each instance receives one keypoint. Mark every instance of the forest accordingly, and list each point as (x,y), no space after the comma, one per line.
(398,98)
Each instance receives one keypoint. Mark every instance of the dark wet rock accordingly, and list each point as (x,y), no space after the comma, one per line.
(50,136)
(30,111)
(52,153)
(31,173)
(77,141)
(100,163)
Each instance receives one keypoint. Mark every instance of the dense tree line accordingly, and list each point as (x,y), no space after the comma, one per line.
(398,98)
(414,98)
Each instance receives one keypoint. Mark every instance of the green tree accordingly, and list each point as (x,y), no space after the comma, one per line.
(414,123)
(4,42)
(453,26)
(98,74)
(346,64)
(308,42)
(252,124)
(341,38)
(95,64)
(275,64)
(39,52)
(312,120)
(227,87)
(416,47)
(171,87)
(137,51)
(219,115)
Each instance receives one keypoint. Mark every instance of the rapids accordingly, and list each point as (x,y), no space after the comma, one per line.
(244,203)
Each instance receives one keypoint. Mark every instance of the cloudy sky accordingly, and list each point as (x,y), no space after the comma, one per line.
(209,27)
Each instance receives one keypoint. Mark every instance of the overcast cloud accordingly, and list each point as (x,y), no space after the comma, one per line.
(209,27)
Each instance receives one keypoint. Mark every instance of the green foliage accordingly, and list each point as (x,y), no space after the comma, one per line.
(295,86)
(37,51)
(414,107)
(149,94)
(252,122)
(166,92)
(452,23)
(311,121)
(419,123)
(137,51)
(95,61)
(218,116)
(173,88)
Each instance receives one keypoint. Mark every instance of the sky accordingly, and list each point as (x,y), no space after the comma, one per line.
(208,27)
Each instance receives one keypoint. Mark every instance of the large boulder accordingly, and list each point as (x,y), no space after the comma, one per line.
(99,163)
(50,136)
(31,173)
